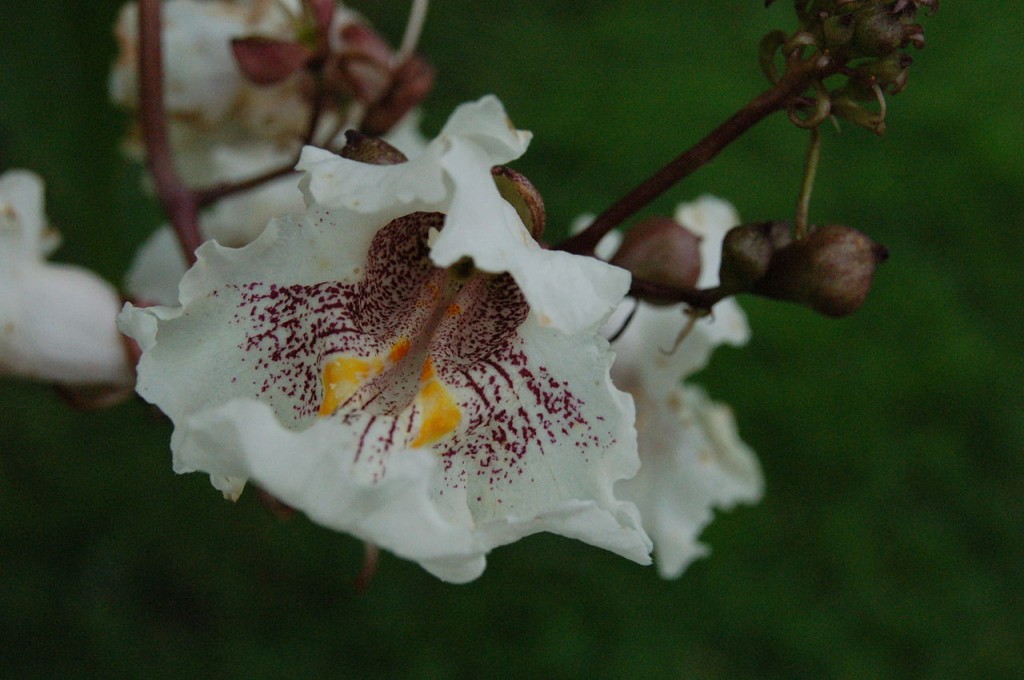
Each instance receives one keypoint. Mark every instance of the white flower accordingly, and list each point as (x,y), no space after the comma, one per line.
(56,321)
(208,100)
(403,362)
(692,459)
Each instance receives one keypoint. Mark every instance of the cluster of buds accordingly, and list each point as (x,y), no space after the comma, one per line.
(865,40)
(344,61)
(830,270)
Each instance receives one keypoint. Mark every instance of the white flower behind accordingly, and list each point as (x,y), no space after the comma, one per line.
(57,321)
(209,102)
(403,362)
(692,459)
(223,128)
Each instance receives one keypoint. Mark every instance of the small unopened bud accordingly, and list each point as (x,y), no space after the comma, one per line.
(878,32)
(372,150)
(523,196)
(267,61)
(662,251)
(747,252)
(830,270)
(362,70)
(410,85)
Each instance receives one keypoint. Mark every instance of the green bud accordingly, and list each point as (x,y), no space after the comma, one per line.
(747,252)
(662,251)
(878,32)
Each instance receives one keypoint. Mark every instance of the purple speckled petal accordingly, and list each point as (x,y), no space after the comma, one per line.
(333,326)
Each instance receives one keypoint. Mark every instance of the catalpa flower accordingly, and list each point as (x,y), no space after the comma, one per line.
(403,362)
(692,459)
(56,320)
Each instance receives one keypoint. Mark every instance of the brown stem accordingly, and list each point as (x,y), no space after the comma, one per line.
(793,83)
(205,197)
(705,298)
(177,200)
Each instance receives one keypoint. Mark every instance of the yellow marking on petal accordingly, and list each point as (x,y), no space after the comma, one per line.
(428,370)
(342,377)
(453,310)
(433,294)
(398,350)
(441,414)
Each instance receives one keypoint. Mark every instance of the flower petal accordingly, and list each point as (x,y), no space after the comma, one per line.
(56,321)
(452,176)
(693,461)
(22,222)
(328,318)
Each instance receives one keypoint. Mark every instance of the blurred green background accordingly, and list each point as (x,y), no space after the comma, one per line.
(890,543)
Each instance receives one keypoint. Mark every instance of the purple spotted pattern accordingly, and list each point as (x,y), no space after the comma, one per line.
(511,407)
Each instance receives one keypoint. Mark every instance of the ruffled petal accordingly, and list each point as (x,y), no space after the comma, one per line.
(693,462)
(692,459)
(452,176)
(332,317)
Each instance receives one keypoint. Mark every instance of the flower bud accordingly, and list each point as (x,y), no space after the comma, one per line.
(829,271)
(267,61)
(362,69)
(878,32)
(372,150)
(523,196)
(747,252)
(661,251)
(410,84)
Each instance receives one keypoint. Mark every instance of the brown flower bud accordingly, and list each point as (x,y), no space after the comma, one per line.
(410,84)
(523,196)
(747,252)
(267,61)
(363,69)
(830,270)
(662,251)
(367,149)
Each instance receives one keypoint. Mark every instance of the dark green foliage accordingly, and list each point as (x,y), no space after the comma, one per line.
(889,544)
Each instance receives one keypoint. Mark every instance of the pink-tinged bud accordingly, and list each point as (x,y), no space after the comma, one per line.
(830,271)
(523,196)
(747,252)
(363,69)
(267,61)
(410,85)
(373,150)
(363,40)
(662,251)
(322,12)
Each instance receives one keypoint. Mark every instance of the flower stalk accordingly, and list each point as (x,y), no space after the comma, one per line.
(778,97)
(177,200)
(803,202)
